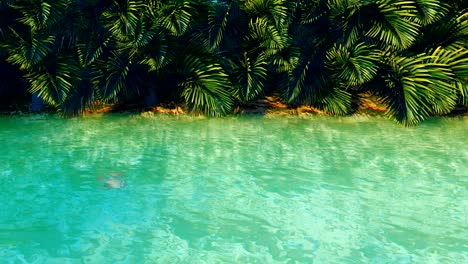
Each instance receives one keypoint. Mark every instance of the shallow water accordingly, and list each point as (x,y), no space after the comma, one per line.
(232,190)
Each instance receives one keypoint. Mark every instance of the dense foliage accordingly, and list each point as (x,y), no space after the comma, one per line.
(213,55)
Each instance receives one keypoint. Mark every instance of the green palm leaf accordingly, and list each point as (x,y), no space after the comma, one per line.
(157,54)
(310,84)
(30,50)
(122,18)
(286,60)
(461,32)
(392,23)
(80,97)
(457,61)
(353,66)
(206,87)
(429,11)
(416,88)
(54,80)
(297,79)
(275,11)
(218,19)
(40,14)
(267,36)
(334,101)
(250,76)
(176,17)
(116,71)
(450,33)
(92,49)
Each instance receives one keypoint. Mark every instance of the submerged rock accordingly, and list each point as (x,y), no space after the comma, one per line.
(113,183)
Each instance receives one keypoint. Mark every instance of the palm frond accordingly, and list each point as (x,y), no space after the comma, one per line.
(457,62)
(310,84)
(392,23)
(218,18)
(416,88)
(80,97)
(30,50)
(92,49)
(40,14)
(176,17)
(157,54)
(206,87)
(145,33)
(250,75)
(333,101)
(275,11)
(122,18)
(461,33)
(267,36)
(297,80)
(54,80)
(115,75)
(308,12)
(429,11)
(353,66)
(286,60)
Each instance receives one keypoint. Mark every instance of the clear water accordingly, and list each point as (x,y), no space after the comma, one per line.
(233,190)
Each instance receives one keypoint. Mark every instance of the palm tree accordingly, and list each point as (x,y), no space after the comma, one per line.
(37,47)
(426,78)
(212,55)
(249,35)
(367,47)
(150,55)
(78,52)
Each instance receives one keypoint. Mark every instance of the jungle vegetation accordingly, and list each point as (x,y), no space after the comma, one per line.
(214,55)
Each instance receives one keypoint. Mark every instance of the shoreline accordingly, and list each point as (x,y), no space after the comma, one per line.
(269,105)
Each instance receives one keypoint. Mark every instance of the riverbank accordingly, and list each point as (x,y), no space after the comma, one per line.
(268,105)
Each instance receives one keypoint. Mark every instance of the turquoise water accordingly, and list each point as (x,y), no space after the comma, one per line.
(232,190)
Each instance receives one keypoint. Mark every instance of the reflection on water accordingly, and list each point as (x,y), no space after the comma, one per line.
(266,190)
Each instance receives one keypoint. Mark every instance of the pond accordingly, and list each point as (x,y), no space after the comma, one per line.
(128,188)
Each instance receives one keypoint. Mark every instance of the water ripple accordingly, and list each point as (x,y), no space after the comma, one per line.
(234,190)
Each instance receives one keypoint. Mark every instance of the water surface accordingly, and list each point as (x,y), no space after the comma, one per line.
(233,190)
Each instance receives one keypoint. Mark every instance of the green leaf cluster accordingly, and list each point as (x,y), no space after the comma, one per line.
(214,55)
